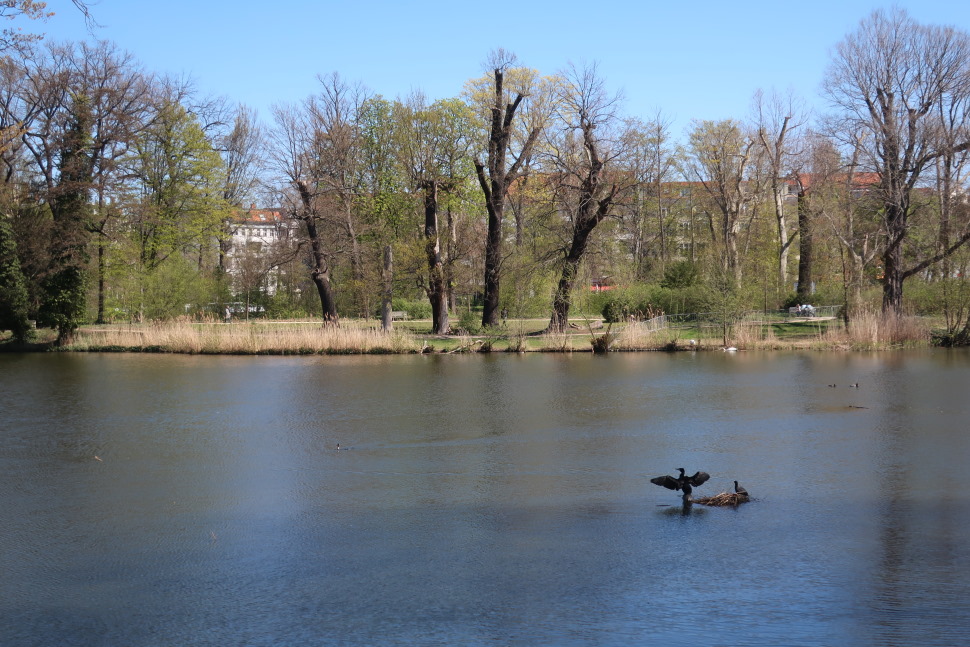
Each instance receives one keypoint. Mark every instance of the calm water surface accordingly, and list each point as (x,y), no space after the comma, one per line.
(499,500)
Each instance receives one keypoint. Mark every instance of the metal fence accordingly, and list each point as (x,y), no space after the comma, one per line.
(704,319)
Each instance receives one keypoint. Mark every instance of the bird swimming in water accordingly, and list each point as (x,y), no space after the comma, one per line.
(684,483)
(739,490)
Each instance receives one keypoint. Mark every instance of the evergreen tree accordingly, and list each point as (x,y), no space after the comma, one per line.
(64,287)
(13,287)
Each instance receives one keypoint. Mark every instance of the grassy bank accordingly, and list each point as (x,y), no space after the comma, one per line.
(243,339)
(867,332)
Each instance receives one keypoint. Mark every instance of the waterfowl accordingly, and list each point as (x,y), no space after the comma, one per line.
(740,491)
(684,483)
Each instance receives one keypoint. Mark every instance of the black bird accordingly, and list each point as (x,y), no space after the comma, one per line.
(740,491)
(684,483)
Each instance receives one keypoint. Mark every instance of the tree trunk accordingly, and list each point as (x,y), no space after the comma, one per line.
(101,271)
(806,252)
(386,301)
(892,283)
(591,214)
(436,283)
(892,260)
(783,242)
(562,300)
(321,275)
(493,265)
(494,187)
(451,239)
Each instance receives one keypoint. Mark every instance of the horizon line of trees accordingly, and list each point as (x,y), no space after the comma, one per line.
(120,187)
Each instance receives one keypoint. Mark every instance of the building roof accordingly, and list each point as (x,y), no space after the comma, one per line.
(254,216)
(862,180)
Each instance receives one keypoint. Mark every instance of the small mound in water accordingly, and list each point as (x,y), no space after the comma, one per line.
(723,499)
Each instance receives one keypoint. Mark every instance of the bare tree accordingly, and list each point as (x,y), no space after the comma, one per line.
(813,174)
(651,161)
(242,153)
(297,159)
(777,120)
(952,170)
(336,113)
(19,40)
(720,153)
(837,193)
(584,149)
(495,176)
(887,80)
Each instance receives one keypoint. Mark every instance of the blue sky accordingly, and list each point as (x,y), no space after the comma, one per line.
(689,60)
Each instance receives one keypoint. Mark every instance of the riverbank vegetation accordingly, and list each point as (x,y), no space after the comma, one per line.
(509,217)
(871,331)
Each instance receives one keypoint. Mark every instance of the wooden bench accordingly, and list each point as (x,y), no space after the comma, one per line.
(398,315)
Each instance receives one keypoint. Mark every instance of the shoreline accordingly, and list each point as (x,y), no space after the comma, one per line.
(363,337)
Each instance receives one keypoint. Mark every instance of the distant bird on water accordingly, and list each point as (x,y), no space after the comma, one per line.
(740,491)
(684,483)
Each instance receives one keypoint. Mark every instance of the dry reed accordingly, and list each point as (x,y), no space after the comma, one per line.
(643,336)
(247,339)
(723,499)
(873,330)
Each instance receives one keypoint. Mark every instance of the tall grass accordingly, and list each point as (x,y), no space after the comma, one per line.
(246,339)
(645,336)
(872,330)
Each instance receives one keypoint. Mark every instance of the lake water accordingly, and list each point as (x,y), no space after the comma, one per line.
(484,500)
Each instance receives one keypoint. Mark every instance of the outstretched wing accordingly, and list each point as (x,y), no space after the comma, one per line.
(668,482)
(698,478)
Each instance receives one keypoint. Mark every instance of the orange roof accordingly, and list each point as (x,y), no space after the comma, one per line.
(254,216)
(859,180)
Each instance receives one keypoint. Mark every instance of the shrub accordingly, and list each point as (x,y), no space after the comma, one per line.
(469,322)
(616,310)
(415,309)
(682,274)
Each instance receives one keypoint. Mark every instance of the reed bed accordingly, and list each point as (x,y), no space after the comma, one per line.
(643,336)
(874,330)
(723,499)
(246,339)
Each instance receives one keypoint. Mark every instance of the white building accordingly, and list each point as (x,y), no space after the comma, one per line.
(255,248)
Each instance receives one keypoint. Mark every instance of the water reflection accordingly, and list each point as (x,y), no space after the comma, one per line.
(485,500)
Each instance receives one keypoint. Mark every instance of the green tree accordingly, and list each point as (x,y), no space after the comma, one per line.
(13,286)
(65,286)
(720,154)
(179,178)
(384,203)
(433,146)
